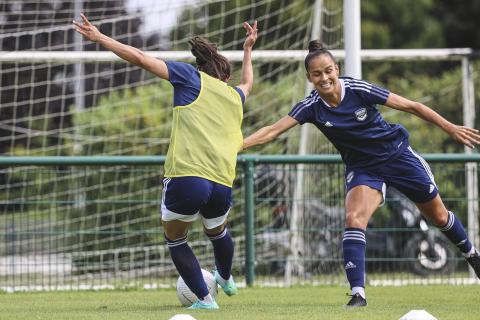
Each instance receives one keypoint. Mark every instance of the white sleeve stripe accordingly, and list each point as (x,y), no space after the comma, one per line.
(360,82)
(361,85)
(380,91)
(372,92)
(358,85)
(302,105)
(360,89)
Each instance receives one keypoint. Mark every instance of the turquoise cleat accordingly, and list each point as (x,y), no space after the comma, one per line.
(200,305)
(228,286)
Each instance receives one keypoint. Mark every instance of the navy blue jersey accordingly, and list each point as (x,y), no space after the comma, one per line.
(355,127)
(186,83)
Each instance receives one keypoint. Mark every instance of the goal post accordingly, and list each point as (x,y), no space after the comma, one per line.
(236,55)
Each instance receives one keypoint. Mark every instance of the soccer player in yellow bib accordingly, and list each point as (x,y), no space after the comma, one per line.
(205,139)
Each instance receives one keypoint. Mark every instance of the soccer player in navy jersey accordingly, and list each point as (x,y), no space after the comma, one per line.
(376,154)
(200,165)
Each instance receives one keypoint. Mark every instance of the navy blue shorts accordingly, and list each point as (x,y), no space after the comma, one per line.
(188,198)
(409,173)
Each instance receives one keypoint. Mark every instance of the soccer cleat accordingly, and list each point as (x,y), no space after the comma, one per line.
(229,287)
(474,261)
(203,305)
(356,300)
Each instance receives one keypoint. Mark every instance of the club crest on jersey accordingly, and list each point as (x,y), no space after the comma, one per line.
(361,114)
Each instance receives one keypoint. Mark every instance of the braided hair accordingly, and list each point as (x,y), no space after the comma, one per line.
(209,60)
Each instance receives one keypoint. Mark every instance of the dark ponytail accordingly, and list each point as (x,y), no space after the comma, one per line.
(209,60)
(316,48)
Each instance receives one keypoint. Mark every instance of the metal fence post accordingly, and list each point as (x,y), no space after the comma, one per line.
(471,168)
(249,225)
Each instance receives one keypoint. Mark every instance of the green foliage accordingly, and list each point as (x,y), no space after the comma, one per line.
(282,23)
(137,122)
(442,93)
(382,20)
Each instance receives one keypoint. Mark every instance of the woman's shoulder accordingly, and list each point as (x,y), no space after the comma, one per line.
(365,90)
(179,67)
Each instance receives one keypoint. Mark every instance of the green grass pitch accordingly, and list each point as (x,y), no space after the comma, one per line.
(444,302)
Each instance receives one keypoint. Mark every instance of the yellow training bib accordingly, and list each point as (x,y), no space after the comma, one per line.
(206,134)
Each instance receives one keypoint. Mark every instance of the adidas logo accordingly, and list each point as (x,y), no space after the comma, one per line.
(432,187)
(350,265)
(328,124)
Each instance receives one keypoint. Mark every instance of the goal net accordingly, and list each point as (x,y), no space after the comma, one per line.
(74,226)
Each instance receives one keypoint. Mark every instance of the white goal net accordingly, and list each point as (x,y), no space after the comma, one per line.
(71,226)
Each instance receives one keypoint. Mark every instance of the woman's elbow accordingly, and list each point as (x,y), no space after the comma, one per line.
(247,88)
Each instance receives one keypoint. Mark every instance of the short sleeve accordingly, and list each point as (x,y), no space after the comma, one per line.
(370,93)
(303,110)
(185,80)
(240,92)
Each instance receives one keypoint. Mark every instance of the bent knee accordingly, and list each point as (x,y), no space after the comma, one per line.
(173,235)
(356,219)
(175,230)
(440,220)
(215,230)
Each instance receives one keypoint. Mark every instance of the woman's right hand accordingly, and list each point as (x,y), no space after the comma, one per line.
(251,34)
(87,29)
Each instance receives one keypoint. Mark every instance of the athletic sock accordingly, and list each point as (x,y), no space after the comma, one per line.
(223,251)
(469,253)
(354,256)
(455,232)
(208,298)
(187,266)
(359,290)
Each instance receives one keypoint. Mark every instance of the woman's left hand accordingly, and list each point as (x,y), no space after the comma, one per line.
(252,32)
(87,29)
(465,135)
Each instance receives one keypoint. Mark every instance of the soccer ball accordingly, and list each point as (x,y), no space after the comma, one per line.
(187,297)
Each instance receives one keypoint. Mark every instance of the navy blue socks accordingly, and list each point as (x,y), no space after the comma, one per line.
(223,250)
(187,266)
(455,232)
(354,256)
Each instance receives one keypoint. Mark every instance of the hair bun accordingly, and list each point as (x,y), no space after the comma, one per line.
(315,45)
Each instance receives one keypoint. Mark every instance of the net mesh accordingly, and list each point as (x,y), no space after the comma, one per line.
(70,225)
(98,226)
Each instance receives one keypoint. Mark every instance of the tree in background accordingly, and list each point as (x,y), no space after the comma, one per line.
(405,24)
(460,23)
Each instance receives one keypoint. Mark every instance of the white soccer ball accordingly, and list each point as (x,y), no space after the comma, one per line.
(187,297)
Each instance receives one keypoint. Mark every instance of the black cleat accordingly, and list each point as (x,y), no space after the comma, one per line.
(356,300)
(474,261)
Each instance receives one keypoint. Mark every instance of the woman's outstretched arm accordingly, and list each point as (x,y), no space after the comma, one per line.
(462,134)
(268,133)
(126,52)
(246,78)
